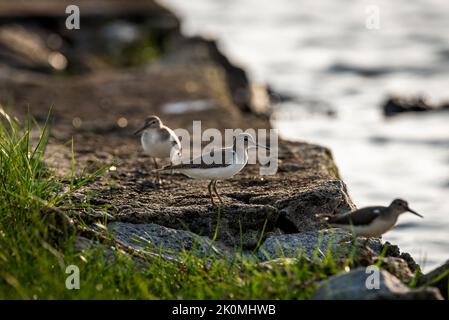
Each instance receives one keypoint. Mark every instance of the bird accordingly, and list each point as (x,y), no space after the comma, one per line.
(372,221)
(159,142)
(233,160)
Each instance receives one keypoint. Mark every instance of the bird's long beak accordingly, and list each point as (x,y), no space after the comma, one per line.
(261,146)
(414,212)
(141,129)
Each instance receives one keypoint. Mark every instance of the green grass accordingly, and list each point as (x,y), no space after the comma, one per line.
(37,244)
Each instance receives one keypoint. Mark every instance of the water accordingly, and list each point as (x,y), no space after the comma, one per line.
(322,53)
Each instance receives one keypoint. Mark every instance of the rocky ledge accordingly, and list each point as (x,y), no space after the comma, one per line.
(99,102)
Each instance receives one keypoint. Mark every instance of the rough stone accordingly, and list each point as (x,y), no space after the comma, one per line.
(394,251)
(311,245)
(352,286)
(95,250)
(397,267)
(86,246)
(236,225)
(438,278)
(329,196)
(397,105)
(166,241)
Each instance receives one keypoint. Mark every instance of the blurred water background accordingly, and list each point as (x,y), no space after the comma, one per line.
(339,73)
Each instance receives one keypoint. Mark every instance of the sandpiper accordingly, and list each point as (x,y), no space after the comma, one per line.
(159,142)
(372,221)
(234,159)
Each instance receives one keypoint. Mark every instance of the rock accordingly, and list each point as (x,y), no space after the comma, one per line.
(94,250)
(397,267)
(335,241)
(438,278)
(166,241)
(236,225)
(397,105)
(199,50)
(34,36)
(86,246)
(352,286)
(329,196)
(24,48)
(413,266)
(277,97)
(364,71)
(393,251)
(260,99)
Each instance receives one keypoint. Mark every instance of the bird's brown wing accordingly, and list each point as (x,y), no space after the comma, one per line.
(359,217)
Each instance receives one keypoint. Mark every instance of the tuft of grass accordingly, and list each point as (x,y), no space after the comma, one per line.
(31,225)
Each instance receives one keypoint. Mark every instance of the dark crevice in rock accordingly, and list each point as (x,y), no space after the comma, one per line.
(284,224)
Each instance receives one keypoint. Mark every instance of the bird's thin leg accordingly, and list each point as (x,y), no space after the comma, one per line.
(209,187)
(216,192)
(158,178)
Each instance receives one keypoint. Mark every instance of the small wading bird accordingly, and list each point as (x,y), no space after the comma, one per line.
(372,221)
(159,142)
(233,160)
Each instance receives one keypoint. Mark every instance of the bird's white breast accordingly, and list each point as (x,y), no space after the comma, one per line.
(218,173)
(155,146)
(375,229)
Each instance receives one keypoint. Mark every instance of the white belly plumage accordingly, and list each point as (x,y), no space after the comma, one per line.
(220,173)
(374,229)
(156,148)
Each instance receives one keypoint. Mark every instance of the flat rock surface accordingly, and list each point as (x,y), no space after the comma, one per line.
(155,238)
(352,286)
(313,245)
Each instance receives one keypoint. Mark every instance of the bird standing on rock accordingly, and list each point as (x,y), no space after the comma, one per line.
(372,221)
(233,160)
(159,142)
